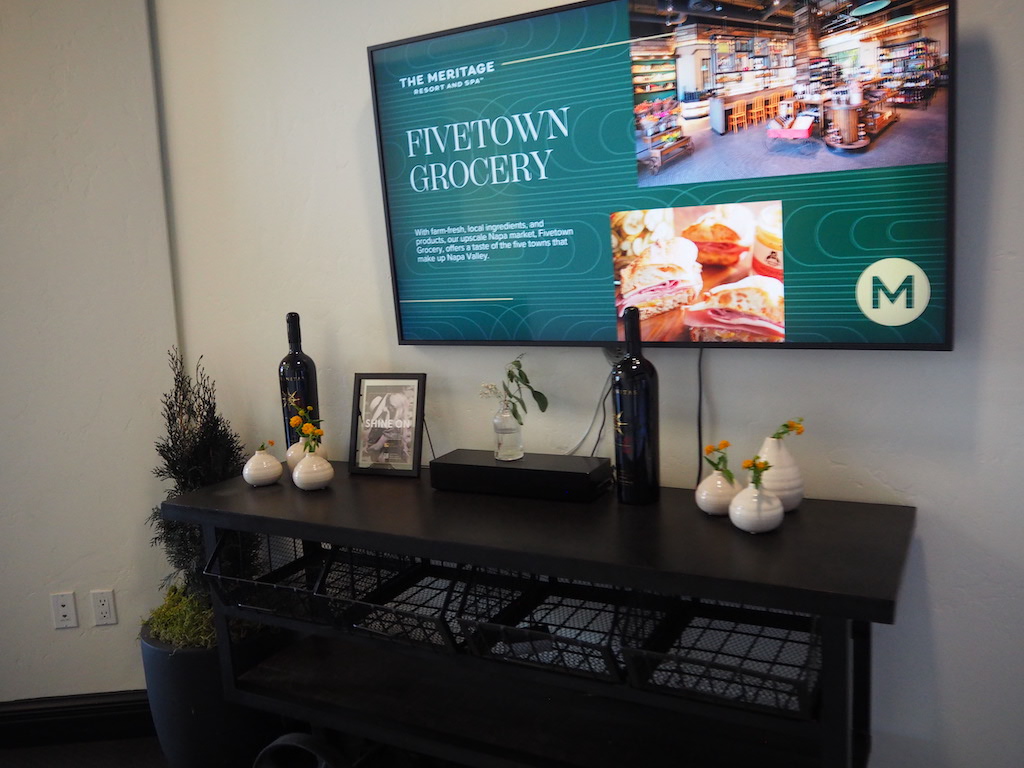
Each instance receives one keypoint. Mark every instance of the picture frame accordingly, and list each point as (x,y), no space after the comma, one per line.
(387,424)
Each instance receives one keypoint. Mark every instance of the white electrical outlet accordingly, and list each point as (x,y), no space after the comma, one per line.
(103,610)
(62,604)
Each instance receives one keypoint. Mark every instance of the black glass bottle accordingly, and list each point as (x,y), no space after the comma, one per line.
(297,374)
(635,401)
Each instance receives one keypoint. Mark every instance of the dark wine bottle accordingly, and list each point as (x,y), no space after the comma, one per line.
(635,400)
(297,374)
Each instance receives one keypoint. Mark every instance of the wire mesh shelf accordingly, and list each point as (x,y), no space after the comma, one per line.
(378,593)
(434,604)
(266,574)
(747,657)
(574,627)
(297,579)
(728,653)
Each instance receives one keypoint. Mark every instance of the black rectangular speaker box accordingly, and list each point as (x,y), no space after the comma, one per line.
(535,476)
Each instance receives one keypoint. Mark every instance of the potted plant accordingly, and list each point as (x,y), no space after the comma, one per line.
(196,728)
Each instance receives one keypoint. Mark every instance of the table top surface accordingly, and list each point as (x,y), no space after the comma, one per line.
(829,557)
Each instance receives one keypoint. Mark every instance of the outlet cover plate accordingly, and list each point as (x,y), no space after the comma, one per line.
(62,605)
(103,610)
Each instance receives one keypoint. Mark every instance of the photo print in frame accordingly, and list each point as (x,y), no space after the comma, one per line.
(387,423)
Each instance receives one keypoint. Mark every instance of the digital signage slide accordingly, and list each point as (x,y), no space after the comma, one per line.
(522,207)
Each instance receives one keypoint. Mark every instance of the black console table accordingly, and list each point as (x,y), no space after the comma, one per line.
(501,632)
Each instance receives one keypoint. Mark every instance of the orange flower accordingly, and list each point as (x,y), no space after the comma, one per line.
(793,425)
(757,467)
(721,461)
(295,422)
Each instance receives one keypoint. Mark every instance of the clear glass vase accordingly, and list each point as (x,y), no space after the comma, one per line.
(508,436)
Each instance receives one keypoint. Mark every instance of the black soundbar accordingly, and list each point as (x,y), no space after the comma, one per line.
(535,476)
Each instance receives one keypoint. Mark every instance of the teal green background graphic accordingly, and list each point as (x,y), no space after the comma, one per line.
(576,62)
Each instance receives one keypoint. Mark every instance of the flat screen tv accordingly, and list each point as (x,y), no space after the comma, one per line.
(752,181)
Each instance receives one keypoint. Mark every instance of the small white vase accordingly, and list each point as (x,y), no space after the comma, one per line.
(755,510)
(783,479)
(508,436)
(313,472)
(714,493)
(297,450)
(261,469)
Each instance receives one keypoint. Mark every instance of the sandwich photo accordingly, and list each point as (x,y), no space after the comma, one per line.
(722,235)
(749,310)
(662,278)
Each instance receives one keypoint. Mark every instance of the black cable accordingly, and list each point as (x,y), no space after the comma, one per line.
(700,412)
(604,416)
(429,441)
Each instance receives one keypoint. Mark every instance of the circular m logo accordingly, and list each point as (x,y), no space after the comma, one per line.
(893,292)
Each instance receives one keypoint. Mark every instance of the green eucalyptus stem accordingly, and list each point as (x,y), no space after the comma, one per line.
(511,394)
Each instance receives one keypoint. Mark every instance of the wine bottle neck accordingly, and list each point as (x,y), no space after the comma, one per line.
(631,326)
(294,334)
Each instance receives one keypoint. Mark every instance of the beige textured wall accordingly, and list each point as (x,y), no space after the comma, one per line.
(86,318)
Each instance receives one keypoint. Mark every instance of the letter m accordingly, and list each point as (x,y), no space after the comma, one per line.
(878,287)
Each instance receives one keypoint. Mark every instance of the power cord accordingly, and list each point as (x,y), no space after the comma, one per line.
(605,389)
(430,442)
(604,415)
(700,413)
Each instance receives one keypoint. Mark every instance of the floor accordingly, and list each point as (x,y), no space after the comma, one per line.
(919,136)
(145,753)
(122,753)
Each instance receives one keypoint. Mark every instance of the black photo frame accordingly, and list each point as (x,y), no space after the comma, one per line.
(387,424)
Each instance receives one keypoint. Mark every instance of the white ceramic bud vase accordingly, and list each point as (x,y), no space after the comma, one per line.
(261,469)
(756,510)
(714,493)
(313,472)
(297,450)
(784,479)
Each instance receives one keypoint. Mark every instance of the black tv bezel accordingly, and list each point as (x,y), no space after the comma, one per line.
(950,262)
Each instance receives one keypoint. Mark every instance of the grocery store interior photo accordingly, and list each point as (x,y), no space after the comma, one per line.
(752,88)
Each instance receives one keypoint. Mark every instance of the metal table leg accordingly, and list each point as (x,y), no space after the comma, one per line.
(836,693)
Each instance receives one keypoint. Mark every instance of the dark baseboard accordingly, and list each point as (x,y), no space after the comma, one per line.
(86,717)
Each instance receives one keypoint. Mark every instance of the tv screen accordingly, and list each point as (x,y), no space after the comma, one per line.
(743,179)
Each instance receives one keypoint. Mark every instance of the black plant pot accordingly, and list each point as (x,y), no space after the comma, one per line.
(196,727)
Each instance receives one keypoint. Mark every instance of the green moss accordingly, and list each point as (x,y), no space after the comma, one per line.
(182,620)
